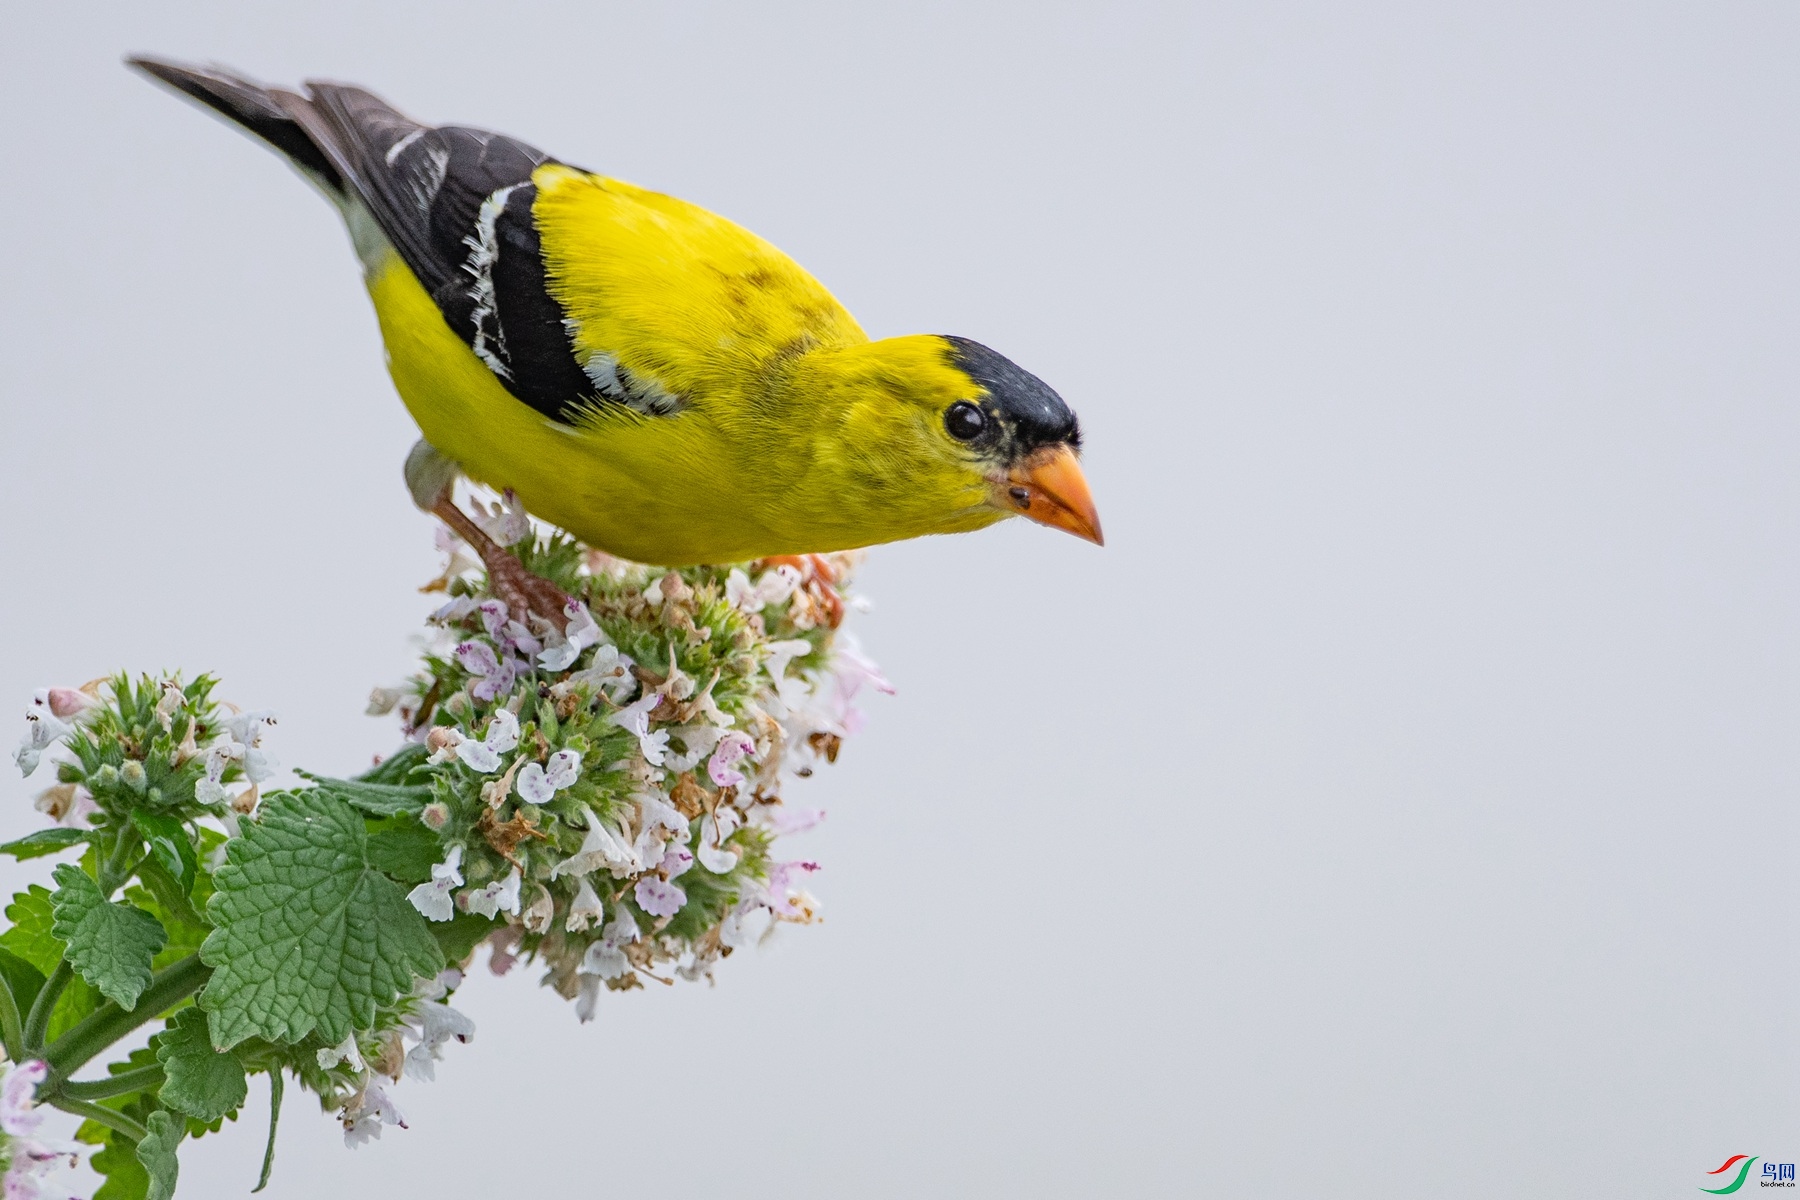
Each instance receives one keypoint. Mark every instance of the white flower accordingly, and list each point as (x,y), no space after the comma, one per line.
(699,740)
(383,699)
(455,610)
(714,829)
(18,1092)
(676,861)
(733,745)
(366,1113)
(781,820)
(603,847)
(539,785)
(42,730)
(659,898)
(436,1024)
(66,804)
(853,669)
(772,587)
(587,998)
(738,929)
(586,909)
(31,1158)
(792,692)
(610,673)
(656,813)
(580,633)
(538,912)
(506,521)
(502,735)
(500,896)
(496,672)
(442,741)
(433,898)
(780,892)
(344,1052)
(636,718)
(679,685)
(606,957)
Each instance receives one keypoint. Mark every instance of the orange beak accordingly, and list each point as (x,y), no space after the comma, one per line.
(1049,488)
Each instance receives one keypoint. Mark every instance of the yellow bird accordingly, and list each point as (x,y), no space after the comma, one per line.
(660,382)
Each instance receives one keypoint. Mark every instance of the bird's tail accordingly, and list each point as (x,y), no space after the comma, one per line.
(269,113)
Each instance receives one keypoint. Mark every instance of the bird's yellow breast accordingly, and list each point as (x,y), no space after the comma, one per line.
(760,458)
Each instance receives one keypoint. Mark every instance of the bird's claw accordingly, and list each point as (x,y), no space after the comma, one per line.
(522,592)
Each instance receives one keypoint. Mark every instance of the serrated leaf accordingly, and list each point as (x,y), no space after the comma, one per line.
(117,1162)
(462,933)
(110,945)
(376,799)
(199,1080)
(170,846)
(396,766)
(22,979)
(171,897)
(309,936)
(404,849)
(32,939)
(157,1152)
(44,841)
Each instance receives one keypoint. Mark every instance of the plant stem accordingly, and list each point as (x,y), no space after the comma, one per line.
(275,1088)
(94,1112)
(113,1085)
(38,1019)
(108,1023)
(12,1031)
(115,871)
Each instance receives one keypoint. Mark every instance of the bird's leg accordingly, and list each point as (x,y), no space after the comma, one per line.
(522,591)
(431,477)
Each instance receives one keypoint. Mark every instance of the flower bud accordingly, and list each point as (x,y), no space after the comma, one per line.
(66,702)
(133,775)
(435,815)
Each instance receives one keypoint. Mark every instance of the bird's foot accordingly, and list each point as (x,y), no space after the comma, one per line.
(819,579)
(522,592)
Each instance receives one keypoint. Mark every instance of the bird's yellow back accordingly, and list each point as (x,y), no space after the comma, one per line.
(673,292)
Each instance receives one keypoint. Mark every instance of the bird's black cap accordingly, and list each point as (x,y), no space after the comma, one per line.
(1030,410)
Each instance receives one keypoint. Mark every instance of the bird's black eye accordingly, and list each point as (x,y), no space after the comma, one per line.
(965,421)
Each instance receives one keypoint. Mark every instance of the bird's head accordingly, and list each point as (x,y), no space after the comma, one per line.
(946,435)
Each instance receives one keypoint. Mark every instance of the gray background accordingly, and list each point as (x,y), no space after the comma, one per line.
(1400,805)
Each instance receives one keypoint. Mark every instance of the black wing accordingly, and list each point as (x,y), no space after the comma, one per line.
(455,202)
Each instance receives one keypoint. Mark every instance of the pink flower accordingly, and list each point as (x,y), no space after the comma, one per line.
(496,673)
(658,898)
(18,1111)
(732,746)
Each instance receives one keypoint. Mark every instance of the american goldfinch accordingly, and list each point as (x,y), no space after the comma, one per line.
(660,382)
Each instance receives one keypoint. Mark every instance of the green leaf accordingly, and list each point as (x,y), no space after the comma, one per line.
(462,933)
(157,1152)
(396,766)
(44,841)
(403,848)
(376,799)
(110,945)
(32,939)
(125,1176)
(170,896)
(310,937)
(22,979)
(170,846)
(201,1082)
